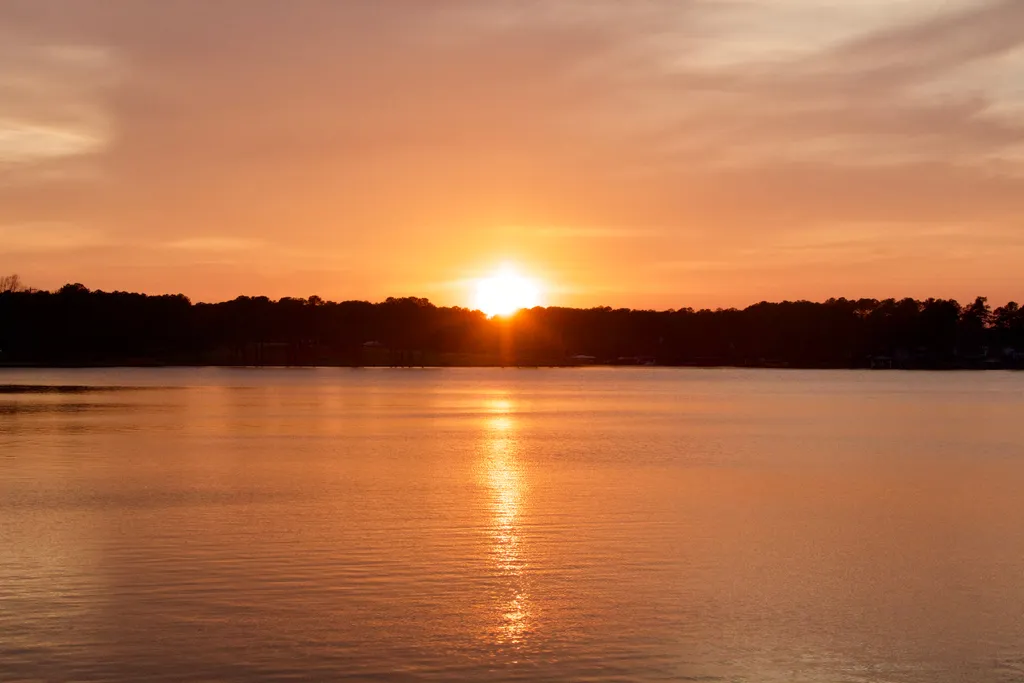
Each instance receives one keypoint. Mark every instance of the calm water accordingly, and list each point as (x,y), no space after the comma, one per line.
(599,524)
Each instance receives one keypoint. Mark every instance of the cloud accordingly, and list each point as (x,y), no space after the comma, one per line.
(36,238)
(846,245)
(907,54)
(892,97)
(52,99)
(583,232)
(215,244)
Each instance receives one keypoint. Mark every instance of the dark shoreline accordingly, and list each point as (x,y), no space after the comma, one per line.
(525,366)
(76,327)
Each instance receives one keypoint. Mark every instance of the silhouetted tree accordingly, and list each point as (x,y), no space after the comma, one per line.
(10,283)
(1008,325)
(973,322)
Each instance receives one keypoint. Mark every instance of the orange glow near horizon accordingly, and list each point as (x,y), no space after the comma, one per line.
(506,292)
(757,163)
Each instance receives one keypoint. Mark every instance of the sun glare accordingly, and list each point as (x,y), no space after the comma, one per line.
(506,292)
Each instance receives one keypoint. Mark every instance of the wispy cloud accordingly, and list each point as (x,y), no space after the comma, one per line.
(569,232)
(52,99)
(36,238)
(215,244)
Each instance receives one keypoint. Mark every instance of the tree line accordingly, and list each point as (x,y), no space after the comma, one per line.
(76,326)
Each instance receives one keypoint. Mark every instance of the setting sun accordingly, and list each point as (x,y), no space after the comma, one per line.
(506,292)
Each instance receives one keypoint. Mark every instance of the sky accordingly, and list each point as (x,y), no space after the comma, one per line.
(649,154)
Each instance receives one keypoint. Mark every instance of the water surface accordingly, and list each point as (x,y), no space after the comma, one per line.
(597,524)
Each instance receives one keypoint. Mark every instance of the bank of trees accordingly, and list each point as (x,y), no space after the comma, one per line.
(76,326)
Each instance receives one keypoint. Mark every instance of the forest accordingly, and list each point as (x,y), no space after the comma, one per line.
(74,326)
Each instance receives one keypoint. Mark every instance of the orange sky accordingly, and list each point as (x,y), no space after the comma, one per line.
(645,154)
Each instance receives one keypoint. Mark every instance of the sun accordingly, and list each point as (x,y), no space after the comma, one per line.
(506,292)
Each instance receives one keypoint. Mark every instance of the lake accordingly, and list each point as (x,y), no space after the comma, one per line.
(590,524)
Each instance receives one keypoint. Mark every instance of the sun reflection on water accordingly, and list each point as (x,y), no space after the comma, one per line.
(503,476)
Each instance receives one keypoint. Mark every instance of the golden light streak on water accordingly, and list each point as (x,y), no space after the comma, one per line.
(504,478)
